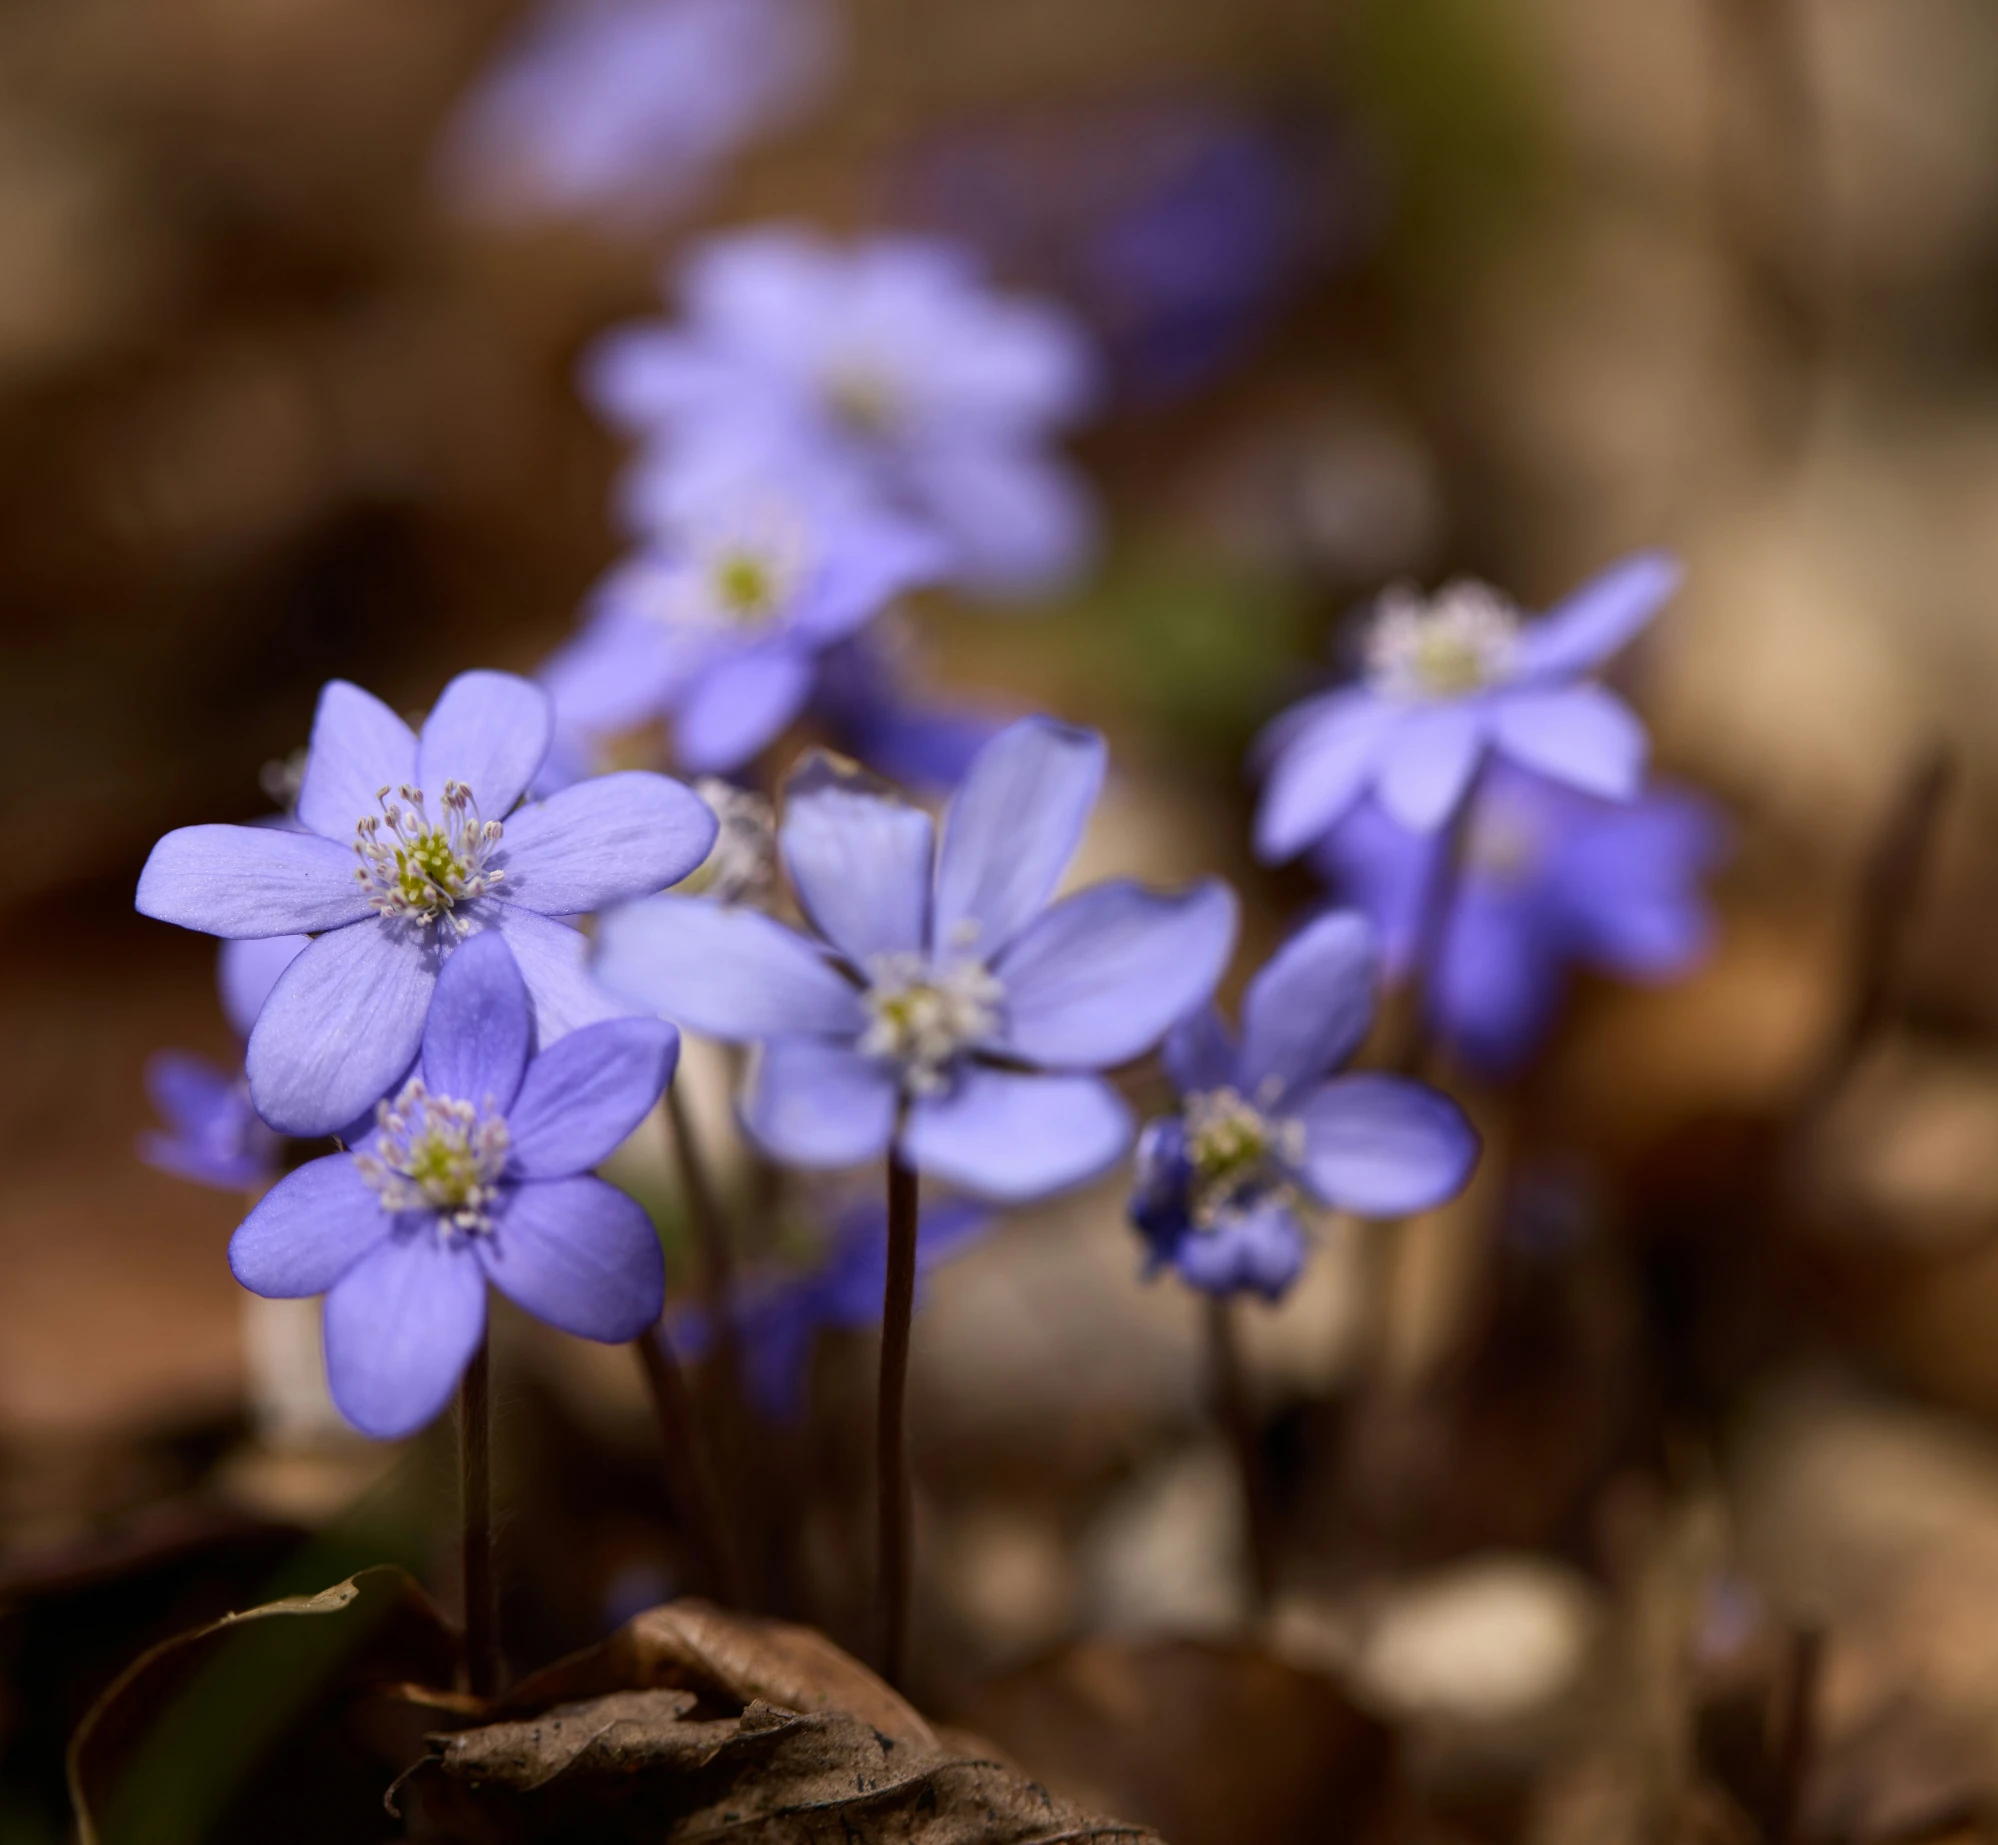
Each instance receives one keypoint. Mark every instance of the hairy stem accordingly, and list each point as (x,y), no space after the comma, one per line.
(689,1473)
(1238,1418)
(898,1301)
(475,1454)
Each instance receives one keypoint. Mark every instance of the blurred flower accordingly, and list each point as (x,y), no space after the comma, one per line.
(475,1173)
(626,109)
(1548,877)
(743,861)
(1263,1125)
(945,1007)
(1450,678)
(866,699)
(720,623)
(889,364)
(343,1025)
(780,1317)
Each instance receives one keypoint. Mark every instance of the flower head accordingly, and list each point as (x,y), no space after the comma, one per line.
(1549,878)
(889,364)
(476,1171)
(942,1004)
(1449,680)
(1265,1127)
(406,847)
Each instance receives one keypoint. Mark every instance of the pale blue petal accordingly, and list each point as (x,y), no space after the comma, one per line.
(859,860)
(247,969)
(619,673)
(1318,772)
(555,962)
(874,560)
(243,881)
(1582,735)
(1011,1137)
(1383,1146)
(742,702)
(1427,764)
(359,747)
(308,1230)
(579,1254)
(1021,523)
(728,973)
(1011,831)
(1260,1250)
(341,1027)
(1307,1010)
(1599,618)
(809,1103)
(401,1326)
(1200,1053)
(583,1096)
(480,1028)
(489,731)
(1103,975)
(602,841)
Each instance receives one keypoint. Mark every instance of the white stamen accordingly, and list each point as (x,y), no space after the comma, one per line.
(1241,1156)
(435,1153)
(742,860)
(926,1015)
(1462,640)
(425,869)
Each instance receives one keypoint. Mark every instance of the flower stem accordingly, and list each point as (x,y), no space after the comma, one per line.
(1238,1418)
(689,1472)
(711,1237)
(475,1454)
(1441,889)
(898,1301)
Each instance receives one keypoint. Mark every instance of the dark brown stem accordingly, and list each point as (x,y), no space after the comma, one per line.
(1238,1418)
(689,1473)
(1795,1740)
(891,1476)
(475,1454)
(711,1238)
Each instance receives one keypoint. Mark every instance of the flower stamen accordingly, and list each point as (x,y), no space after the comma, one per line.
(925,1015)
(1462,640)
(436,1153)
(1240,1156)
(424,869)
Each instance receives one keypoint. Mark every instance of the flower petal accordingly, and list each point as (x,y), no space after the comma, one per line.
(1428,764)
(1020,522)
(480,1027)
(739,704)
(308,1230)
(579,1254)
(728,973)
(359,747)
(1383,1146)
(1583,735)
(1318,771)
(1200,1052)
(401,1326)
(1011,1137)
(874,559)
(340,1028)
(1012,829)
(1258,1251)
(1501,979)
(1101,977)
(809,1103)
(860,862)
(489,731)
(248,968)
(241,881)
(583,1096)
(555,962)
(1308,1009)
(618,673)
(1600,617)
(604,840)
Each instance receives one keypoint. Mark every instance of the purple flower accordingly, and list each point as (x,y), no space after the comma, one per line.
(779,1318)
(214,1137)
(1549,877)
(1263,1126)
(945,1006)
(1449,679)
(720,624)
(474,1173)
(866,699)
(423,817)
(890,364)
(626,109)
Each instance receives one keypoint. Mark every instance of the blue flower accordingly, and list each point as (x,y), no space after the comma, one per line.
(779,1318)
(1449,679)
(890,364)
(435,864)
(476,1172)
(720,624)
(625,110)
(1263,1126)
(867,701)
(945,1005)
(214,1136)
(1549,878)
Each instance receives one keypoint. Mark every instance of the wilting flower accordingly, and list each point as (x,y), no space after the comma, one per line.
(779,1318)
(626,109)
(214,1136)
(435,865)
(475,1172)
(945,1006)
(1449,679)
(1548,878)
(720,624)
(890,364)
(1264,1126)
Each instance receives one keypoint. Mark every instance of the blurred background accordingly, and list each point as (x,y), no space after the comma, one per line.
(1385,289)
